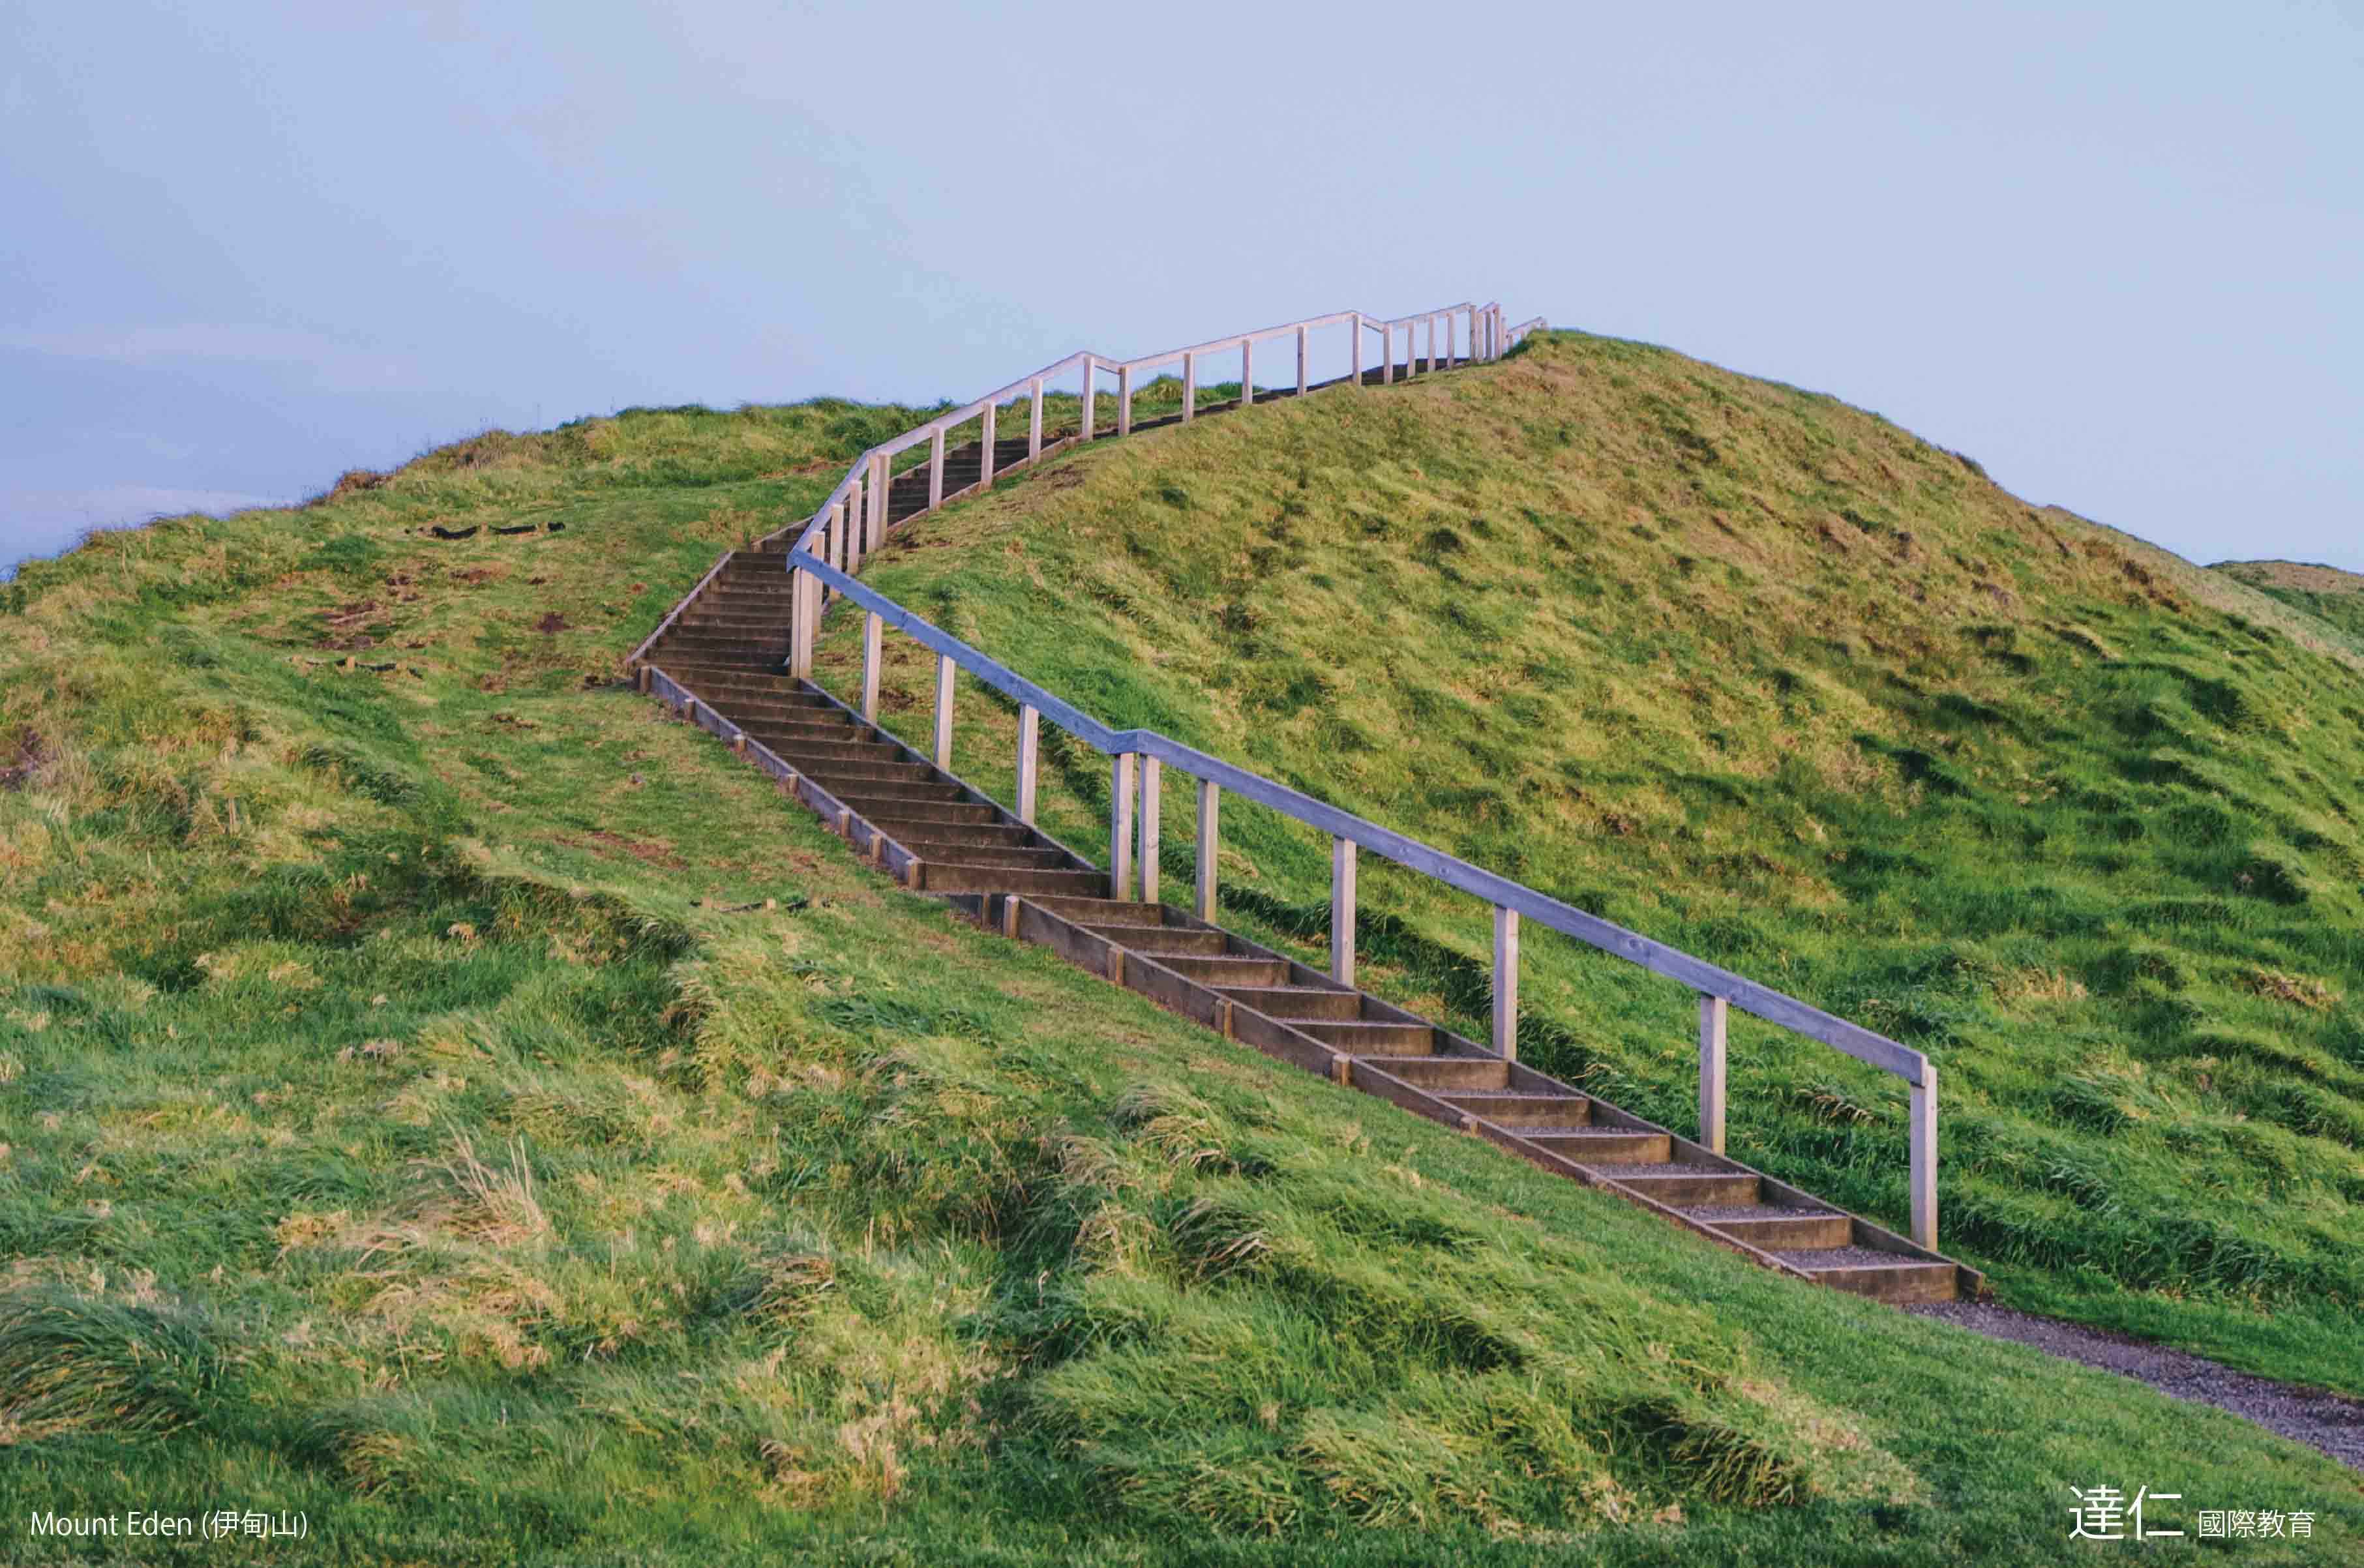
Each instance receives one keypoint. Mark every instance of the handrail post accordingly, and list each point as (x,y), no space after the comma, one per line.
(1924,1158)
(1120,826)
(1428,361)
(985,449)
(879,486)
(1716,1015)
(1124,400)
(1248,372)
(936,468)
(803,602)
(1354,333)
(872,628)
(1034,420)
(1506,982)
(849,512)
(1387,354)
(1210,801)
(829,547)
(1150,781)
(945,670)
(1030,756)
(1342,911)
(1189,387)
(1301,382)
(1090,391)
(1449,325)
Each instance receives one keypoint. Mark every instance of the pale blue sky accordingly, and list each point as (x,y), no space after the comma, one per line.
(2110,250)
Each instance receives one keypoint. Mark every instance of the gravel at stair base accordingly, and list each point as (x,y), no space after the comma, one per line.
(2321,1419)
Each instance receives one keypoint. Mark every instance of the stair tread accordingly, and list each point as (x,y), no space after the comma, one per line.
(1732,1213)
(1527,1097)
(1657,1169)
(1820,1258)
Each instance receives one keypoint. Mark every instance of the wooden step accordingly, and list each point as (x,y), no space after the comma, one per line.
(1112,911)
(905,797)
(1677,1185)
(1433,1073)
(785,734)
(784,718)
(1162,942)
(1885,1276)
(1363,1038)
(936,850)
(833,775)
(693,636)
(752,656)
(1294,1002)
(950,835)
(1518,1111)
(1605,1145)
(912,815)
(769,600)
(758,681)
(754,620)
(803,748)
(952,877)
(1224,972)
(1770,1229)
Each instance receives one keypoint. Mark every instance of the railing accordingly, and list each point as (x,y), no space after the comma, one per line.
(1138,757)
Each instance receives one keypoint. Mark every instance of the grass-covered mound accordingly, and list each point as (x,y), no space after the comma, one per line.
(2326,592)
(1756,673)
(456,1103)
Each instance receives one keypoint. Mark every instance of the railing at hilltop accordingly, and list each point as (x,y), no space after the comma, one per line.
(830,547)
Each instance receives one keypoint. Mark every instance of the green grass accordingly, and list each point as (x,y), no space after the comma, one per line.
(1756,673)
(2326,593)
(457,1103)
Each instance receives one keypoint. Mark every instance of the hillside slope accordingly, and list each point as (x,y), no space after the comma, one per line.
(2331,595)
(442,1096)
(1756,673)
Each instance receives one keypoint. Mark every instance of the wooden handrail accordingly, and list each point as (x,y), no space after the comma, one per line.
(1772,1006)
(1084,357)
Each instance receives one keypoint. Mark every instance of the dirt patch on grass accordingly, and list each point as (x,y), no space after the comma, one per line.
(550,624)
(2320,1419)
(352,482)
(601,841)
(18,774)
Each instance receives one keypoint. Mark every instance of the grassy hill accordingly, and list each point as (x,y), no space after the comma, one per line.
(1755,672)
(2329,595)
(440,1096)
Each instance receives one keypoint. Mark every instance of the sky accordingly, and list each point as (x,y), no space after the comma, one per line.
(2110,250)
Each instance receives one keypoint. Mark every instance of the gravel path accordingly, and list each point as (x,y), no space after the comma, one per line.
(2328,1421)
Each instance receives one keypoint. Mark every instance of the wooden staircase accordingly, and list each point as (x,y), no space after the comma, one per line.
(723,658)
(937,835)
